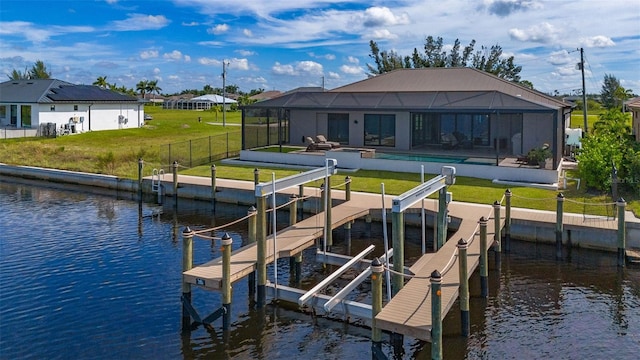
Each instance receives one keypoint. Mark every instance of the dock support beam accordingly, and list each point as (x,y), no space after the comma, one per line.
(347,236)
(397,225)
(622,235)
(507,221)
(376,307)
(464,288)
(484,264)
(261,238)
(226,280)
(251,238)
(347,188)
(436,315)
(187,264)
(293,218)
(559,225)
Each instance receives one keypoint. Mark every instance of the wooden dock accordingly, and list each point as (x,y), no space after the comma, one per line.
(289,242)
(409,312)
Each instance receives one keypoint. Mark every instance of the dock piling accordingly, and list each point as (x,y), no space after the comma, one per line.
(397,225)
(464,288)
(261,239)
(484,268)
(227,241)
(441,226)
(213,187)
(497,237)
(622,235)
(140,165)
(251,238)
(187,264)
(347,236)
(376,305)
(559,224)
(174,168)
(436,315)
(347,188)
(507,221)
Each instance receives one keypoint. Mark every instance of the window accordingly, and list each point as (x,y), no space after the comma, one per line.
(338,128)
(379,130)
(75,107)
(25,115)
(53,108)
(3,111)
(468,129)
(14,115)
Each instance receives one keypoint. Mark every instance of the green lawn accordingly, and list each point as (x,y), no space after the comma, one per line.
(117,152)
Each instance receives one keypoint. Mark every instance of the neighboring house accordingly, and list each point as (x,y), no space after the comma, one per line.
(440,110)
(204,102)
(634,106)
(65,106)
(266,95)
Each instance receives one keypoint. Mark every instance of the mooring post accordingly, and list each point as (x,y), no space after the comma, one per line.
(559,224)
(507,221)
(226,280)
(293,218)
(251,238)
(187,264)
(140,165)
(301,197)
(484,263)
(441,226)
(436,315)
(347,236)
(376,306)
(347,188)
(622,233)
(497,238)
(367,220)
(464,287)
(174,168)
(397,226)
(327,191)
(213,186)
(256,176)
(261,239)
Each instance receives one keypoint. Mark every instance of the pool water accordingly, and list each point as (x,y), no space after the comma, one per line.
(434,159)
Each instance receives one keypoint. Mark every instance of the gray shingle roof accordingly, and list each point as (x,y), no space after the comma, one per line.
(55,91)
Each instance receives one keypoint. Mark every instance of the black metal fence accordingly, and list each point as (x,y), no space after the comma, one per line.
(203,151)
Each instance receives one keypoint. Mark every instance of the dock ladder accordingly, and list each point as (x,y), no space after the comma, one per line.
(156,183)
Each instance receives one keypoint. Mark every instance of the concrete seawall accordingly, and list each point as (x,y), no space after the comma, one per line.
(242,193)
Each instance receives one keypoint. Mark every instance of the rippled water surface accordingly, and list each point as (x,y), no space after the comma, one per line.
(83,276)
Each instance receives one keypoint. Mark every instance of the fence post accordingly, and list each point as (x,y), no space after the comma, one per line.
(559,225)
(507,221)
(376,306)
(484,268)
(436,315)
(622,235)
(347,190)
(464,287)
(226,280)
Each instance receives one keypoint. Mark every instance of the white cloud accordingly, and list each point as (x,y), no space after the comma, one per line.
(148,54)
(280,69)
(382,16)
(209,61)
(247,33)
(504,8)
(543,33)
(599,41)
(351,69)
(382,34)
(137,22)
(218,29)
(246,52)
(239,64)
(37,35)
(561,57)
(187,58)
(325,56)
(192,23)
(353,60)
(334,75)
(156,71)
(175,55)
(299,68)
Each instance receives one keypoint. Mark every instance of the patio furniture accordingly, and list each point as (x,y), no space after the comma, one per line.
(315,146)
(323,140)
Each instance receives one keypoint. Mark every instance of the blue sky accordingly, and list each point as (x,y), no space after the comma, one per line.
(284,44)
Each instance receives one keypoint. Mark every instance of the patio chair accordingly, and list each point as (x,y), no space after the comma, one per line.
(323,140)
(449,141)
(314,146)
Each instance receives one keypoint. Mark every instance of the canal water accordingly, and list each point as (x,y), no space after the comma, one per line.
(87,275)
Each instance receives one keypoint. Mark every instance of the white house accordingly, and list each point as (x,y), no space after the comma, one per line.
(47,104)
(204,102)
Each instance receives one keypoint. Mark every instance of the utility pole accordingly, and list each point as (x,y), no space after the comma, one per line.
(224,93)
(584,91)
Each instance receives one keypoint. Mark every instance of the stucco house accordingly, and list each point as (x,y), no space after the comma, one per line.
(634,106)
(66,107)
(437,111)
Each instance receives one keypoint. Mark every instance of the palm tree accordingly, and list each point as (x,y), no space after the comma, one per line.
(18,75)
(142,87)
(101,81)
(152,87)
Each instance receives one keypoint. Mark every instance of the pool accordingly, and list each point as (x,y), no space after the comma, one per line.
(435,159)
